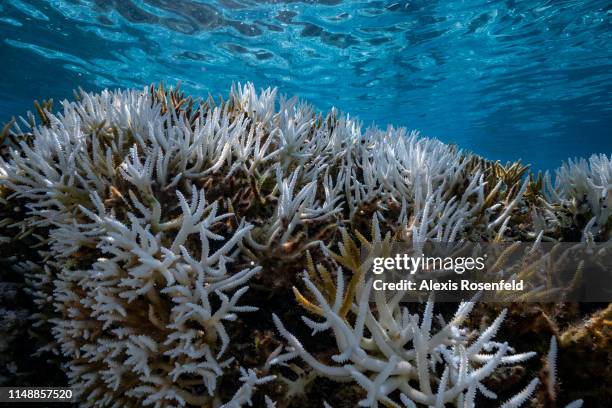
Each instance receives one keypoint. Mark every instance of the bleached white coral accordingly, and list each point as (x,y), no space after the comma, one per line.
(244,394)
(521,398)
(152,213)
(575,404)
(551,362)
(145,319)
(178,335)
(401,353)
(584,187)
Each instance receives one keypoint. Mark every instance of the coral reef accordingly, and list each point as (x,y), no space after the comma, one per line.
(149,227)
(401,349)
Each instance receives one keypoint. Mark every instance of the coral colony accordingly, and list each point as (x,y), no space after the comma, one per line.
(167,246)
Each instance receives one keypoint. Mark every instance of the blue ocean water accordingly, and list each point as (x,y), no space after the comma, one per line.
(507,79)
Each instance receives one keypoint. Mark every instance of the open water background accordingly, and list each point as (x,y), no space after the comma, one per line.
(507,79)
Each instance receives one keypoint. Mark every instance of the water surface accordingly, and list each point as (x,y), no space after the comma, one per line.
(507,79)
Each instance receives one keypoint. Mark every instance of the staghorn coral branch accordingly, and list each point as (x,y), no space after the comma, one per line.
(152,212)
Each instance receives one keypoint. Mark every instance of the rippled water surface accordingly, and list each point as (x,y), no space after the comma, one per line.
(507,79)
